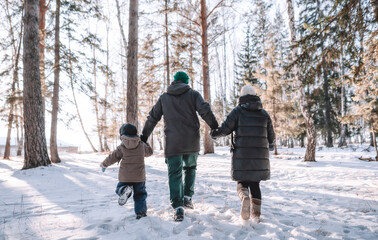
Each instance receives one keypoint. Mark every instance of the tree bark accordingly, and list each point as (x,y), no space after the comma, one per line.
(374,5)
(132,65)
(55,99)
(310,127)
(42,40)
(16,49)
(166,42)
(34,122)
(105,124)
(327,101)
(95,100)
(344,127)
(208,142)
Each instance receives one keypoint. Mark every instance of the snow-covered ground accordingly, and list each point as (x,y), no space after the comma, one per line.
(334,198)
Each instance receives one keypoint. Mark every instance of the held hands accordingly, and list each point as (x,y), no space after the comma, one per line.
(214,133)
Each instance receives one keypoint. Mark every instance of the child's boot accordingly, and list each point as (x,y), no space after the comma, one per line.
(256,209)
(125,195)
(245,203)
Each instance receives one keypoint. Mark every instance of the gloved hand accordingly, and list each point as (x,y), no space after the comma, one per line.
(271,147)
(103,168)
(143,138)
(214,133)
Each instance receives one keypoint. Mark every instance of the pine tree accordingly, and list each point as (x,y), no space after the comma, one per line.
(35,140)
(247,64)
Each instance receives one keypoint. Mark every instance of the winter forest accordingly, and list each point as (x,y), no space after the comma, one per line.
(77,70)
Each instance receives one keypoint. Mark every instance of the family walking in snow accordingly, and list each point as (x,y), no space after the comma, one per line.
(254,136)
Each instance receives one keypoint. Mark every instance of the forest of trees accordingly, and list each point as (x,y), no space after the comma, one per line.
(313,63)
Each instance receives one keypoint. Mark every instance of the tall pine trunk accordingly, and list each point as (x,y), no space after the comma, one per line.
(166,42)
(310,126)
(374,6)
(34,122)
(42,45)
(132,65)
(344,127)
(12,97)
(208,142)
(95,100)
(55,99)
(105,123)
(327,101)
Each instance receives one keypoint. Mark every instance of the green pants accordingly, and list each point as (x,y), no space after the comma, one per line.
(177,188)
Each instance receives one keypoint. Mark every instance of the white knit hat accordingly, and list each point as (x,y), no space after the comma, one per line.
(247,89)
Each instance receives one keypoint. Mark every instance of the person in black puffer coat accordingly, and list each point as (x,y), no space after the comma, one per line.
(254,137)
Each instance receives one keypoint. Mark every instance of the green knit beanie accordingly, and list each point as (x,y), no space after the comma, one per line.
(181,76)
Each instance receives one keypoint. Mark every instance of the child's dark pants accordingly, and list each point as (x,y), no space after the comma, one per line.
(139,195)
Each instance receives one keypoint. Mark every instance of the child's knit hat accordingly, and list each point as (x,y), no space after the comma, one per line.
(128,129)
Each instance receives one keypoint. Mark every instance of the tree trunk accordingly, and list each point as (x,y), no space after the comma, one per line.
(375,145)
(166,41)
(19,110)
(344,127)
(327,101)
(42,43)
(55,99)
(208,142)
(132,65)
(310,127)
(95,100)
(34,122)
(329,140)
(191,49)
(374,5)
(105,124)
(16,58)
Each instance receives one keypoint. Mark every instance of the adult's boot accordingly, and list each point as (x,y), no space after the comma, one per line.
(256,209)
(245,203)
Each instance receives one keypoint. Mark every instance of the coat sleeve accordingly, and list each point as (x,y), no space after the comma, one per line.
(153,118)
(147,150)
(114,157)
(204,110)
(228,126)
(271,134)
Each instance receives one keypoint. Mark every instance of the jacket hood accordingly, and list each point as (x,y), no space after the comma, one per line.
(178,88)
(130,142)
(250,102)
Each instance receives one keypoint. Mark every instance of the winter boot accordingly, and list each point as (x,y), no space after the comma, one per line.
(125,195)
(188,202)
(140,215)
(179,214)
(256,209)
(245,210)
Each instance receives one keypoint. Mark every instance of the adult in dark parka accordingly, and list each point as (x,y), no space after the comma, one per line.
(180,105)
(254,136)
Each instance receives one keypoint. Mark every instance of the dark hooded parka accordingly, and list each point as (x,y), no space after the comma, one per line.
(253,134)
(180,105)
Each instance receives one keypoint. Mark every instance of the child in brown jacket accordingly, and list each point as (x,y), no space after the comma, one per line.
(132,173)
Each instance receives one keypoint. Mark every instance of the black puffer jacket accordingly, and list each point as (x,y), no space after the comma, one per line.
(180,105)
(253,134)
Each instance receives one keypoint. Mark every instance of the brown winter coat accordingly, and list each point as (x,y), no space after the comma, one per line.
(132,152)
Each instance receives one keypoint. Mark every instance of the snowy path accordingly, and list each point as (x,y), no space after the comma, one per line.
(334,198)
